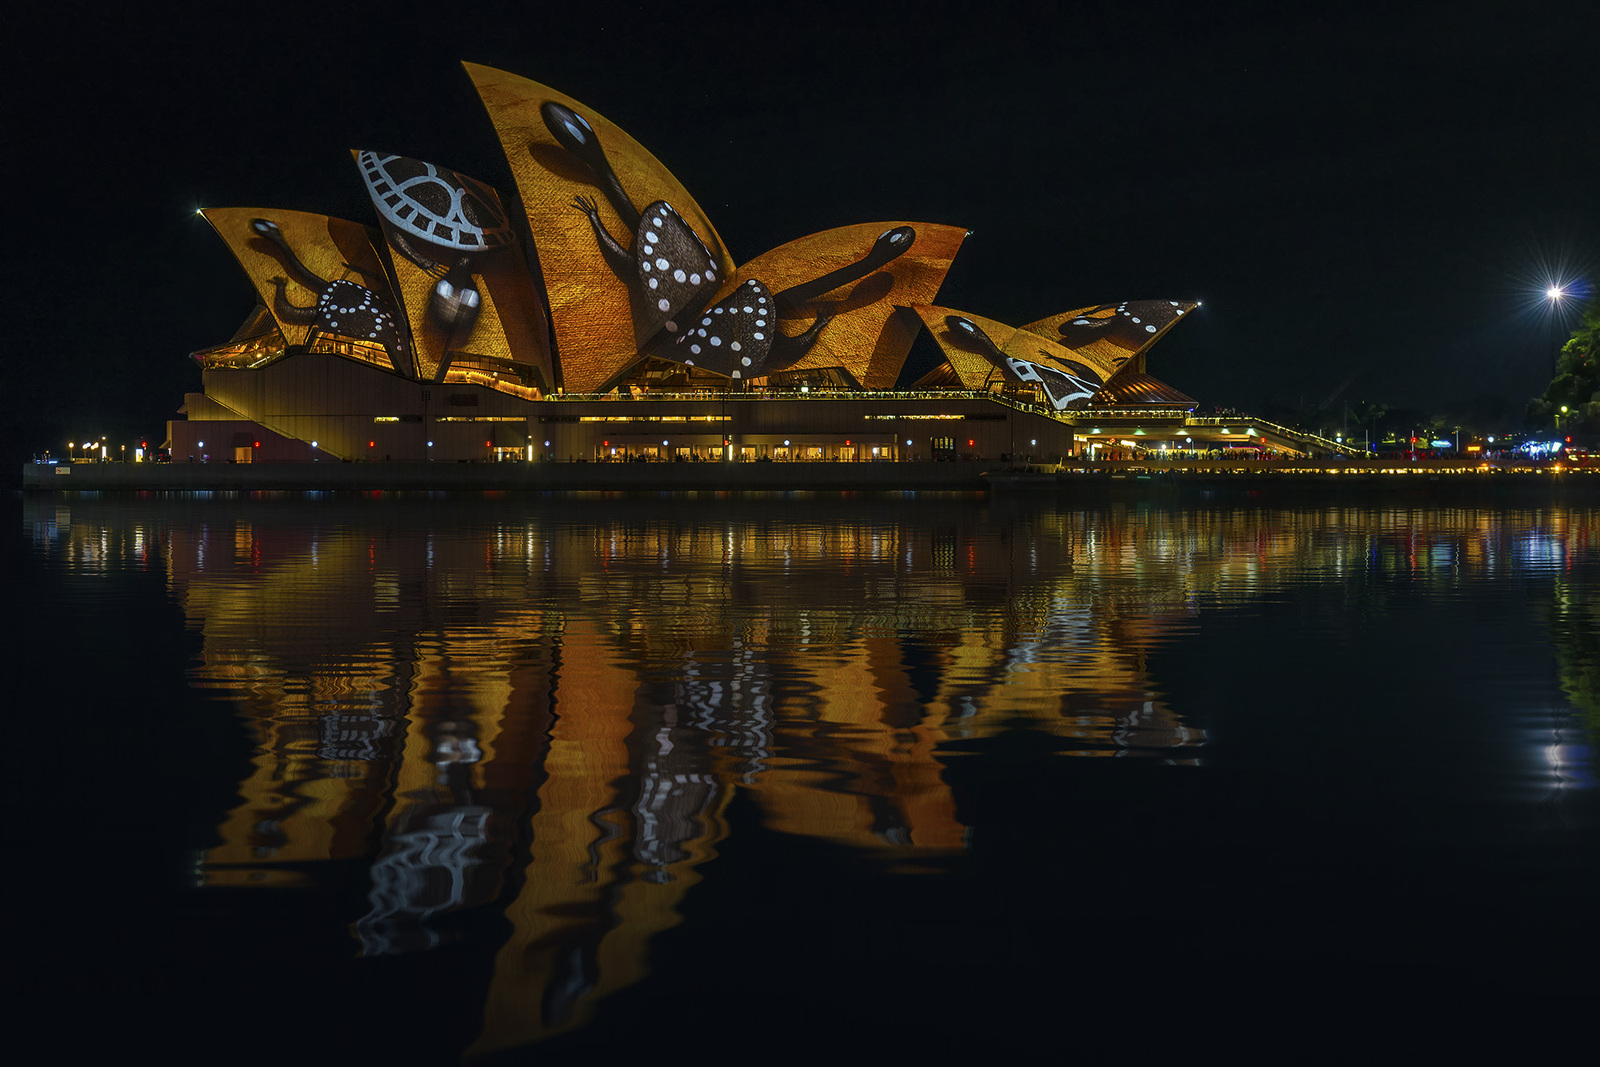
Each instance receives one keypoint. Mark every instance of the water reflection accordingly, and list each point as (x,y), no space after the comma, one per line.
(545,707)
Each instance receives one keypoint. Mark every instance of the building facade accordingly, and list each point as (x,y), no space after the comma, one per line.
(604,320)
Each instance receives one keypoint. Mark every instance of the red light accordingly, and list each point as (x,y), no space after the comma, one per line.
(372,444)
(606,443)
(969,442)
(258,444)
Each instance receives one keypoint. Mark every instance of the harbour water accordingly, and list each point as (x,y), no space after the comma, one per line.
(530,778)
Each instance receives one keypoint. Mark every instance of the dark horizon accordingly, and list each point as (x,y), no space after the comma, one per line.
(1369,202)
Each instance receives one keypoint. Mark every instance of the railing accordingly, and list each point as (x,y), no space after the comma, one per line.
(1361,464)
(1272,427)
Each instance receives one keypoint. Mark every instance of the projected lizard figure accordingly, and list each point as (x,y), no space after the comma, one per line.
(669,270)
(740,336)
(343,307)
(1064,383)
(671,274)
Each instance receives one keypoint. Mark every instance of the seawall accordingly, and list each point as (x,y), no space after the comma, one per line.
(536,477)
(1118,479)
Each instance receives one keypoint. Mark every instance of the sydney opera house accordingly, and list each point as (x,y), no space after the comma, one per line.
(603,318)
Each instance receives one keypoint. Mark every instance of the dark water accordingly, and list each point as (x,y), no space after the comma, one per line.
(537,780)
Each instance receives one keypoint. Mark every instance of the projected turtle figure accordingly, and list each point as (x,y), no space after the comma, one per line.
(1063,381)
(671,275)
(442,221)
(343,307)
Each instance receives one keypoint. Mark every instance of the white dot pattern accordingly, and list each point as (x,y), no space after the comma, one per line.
(673,264)
(353,310)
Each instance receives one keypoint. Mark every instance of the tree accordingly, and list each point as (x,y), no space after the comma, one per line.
(1576,385)
(1369,416)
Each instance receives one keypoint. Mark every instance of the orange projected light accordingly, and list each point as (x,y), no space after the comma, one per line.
(1094,369)
(320,277)
(592,310)
(635,269)
(1112,334)
(463,280)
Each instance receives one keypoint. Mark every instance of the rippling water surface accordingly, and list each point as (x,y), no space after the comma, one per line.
(512,778)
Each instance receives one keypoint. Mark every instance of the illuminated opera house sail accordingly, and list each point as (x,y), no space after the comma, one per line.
(598,315)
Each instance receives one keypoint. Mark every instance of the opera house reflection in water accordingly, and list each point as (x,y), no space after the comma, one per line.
(543,708)
(608,682)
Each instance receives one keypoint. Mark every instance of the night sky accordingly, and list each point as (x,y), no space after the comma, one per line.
(1367,199)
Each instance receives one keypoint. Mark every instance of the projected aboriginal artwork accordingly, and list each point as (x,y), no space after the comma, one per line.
(441,221)
(1114,333)
(869,327)
(1093,364)
(343,307)
(627,285)
(634,269)
(1066,382)
(740,336)
(670,275)
(459,274)
(668,270)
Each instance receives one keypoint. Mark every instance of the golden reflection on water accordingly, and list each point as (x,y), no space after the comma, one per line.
(548,706)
